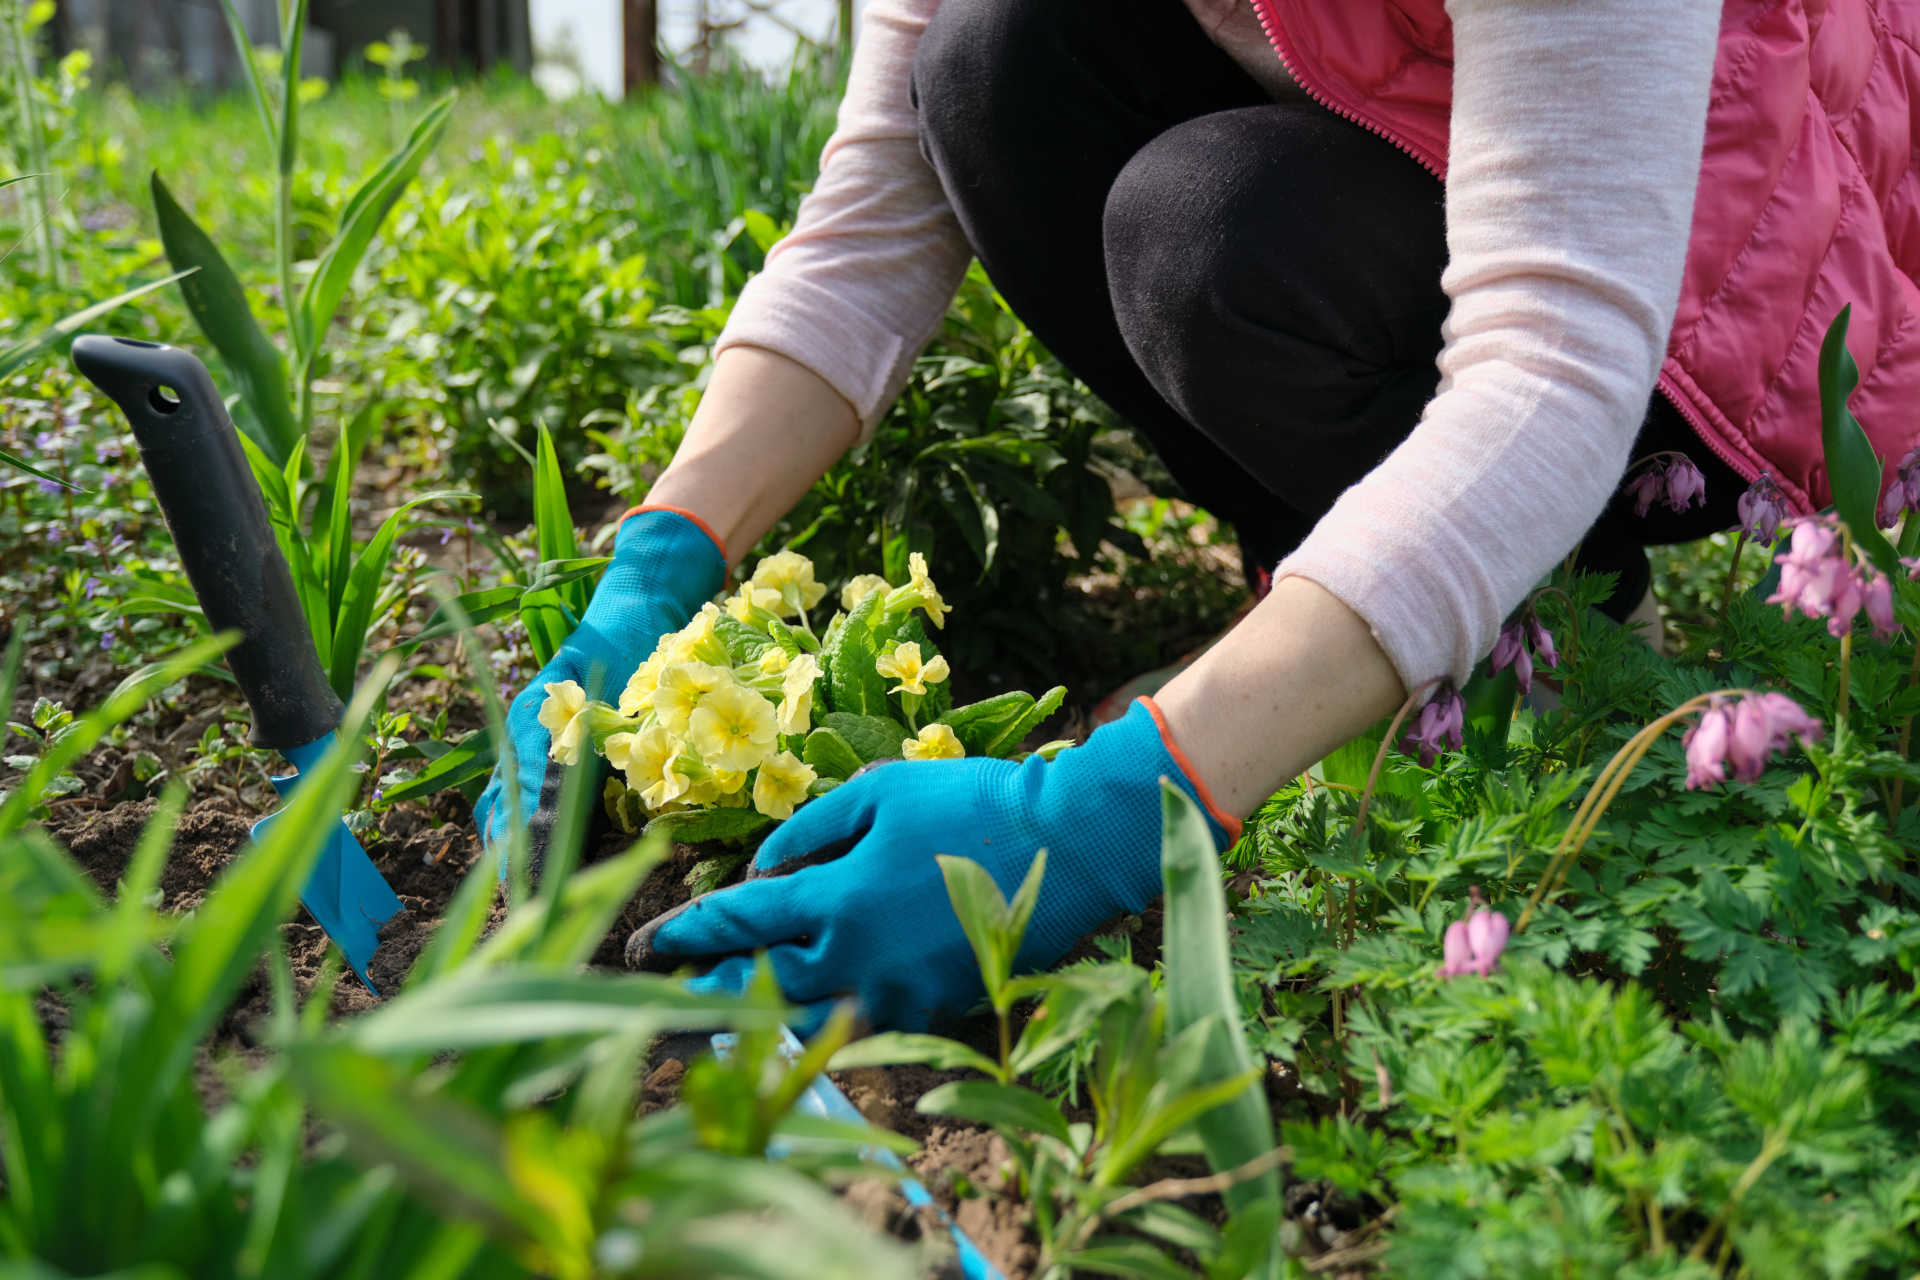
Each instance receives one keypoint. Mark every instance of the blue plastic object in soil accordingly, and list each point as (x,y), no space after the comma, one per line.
(825,1100)
(346,893)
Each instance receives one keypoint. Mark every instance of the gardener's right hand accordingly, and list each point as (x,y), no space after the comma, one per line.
(666,563)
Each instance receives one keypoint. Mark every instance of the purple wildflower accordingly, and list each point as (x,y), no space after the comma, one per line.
(47,486)
(1439,727)
(1510,650)
(1903,491)
(1744,735)
(1669,478)
(1473,945)
(106,640)
(1762,507)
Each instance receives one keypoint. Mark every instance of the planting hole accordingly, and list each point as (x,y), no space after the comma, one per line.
(164,399)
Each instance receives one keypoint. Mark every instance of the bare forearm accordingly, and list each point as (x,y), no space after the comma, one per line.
(1301,675)
(766,429)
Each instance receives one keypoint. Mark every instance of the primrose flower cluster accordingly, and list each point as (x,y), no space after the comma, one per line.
(748,708)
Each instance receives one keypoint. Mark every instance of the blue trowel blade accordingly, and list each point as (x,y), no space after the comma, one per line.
(346,893)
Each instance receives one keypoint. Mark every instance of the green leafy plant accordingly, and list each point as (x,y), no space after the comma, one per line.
(346,587)
(1166,1066)
(281,414)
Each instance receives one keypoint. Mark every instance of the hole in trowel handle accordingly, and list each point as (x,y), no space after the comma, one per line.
(164,399)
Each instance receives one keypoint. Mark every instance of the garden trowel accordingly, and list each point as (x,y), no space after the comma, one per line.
(219,524)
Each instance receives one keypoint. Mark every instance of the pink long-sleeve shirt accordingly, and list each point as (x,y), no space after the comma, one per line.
(1576,135)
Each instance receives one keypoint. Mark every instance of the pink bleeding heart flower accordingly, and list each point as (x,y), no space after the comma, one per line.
(1643,489)
(1685,485)
(1706,747)
(1762,507)
(1473,945)
(1510,650)
(1542,642)
(1903,492)
(1439,727)
(1877,591)
(1744,735)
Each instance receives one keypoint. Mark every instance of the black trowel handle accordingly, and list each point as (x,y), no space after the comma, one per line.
(219,524)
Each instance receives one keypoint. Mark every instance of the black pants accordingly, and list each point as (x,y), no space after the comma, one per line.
(1254,285)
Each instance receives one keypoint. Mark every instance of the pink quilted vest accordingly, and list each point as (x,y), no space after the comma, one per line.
(1809,199)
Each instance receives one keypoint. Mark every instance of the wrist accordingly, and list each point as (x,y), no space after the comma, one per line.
(1226,825)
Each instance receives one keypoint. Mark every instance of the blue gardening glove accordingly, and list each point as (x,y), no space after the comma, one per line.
(846,899)
(665,566)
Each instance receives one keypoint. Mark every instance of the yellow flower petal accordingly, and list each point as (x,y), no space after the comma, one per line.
(733,728)
(934,742)
(859,588)
(562,716)
(781,784)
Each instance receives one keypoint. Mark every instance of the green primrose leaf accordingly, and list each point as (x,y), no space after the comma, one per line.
(831,756)
(692,826)
(869,737)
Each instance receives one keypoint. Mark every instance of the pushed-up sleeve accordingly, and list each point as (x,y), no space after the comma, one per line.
(1577,131)
(859,285)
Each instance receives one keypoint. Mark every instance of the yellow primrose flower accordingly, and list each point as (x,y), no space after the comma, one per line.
(796,694)
(652,766)
(619,749)
(919,593)
(563,716)
(859,588)
(936,742)
(721,787)
(774,661)
(638,695)
(791,575)
(904,665)
(682,686)
(742,603)
(695,642)
(732,728)
(781,784)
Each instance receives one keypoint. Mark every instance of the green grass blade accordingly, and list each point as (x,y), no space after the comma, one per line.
(1200,988)
(479,1008)
(21,464)
(251,899)
(362,218)
(255,85)
(472,757)
(219,306)
(363,587)
(553,521)
(339,555)
(133,919)
(489,604)
(87,730)
(16,355)
(293,37)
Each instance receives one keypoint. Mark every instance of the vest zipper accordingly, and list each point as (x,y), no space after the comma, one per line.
(1277,37)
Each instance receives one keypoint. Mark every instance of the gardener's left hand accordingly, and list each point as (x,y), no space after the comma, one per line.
(846,898)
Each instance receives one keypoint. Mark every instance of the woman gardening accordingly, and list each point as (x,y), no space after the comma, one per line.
(1399,288)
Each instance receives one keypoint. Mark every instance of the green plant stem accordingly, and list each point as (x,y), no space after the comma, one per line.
(1613,775)
(1733,575)
(1771,1148)
(23,65)
(1846,670)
